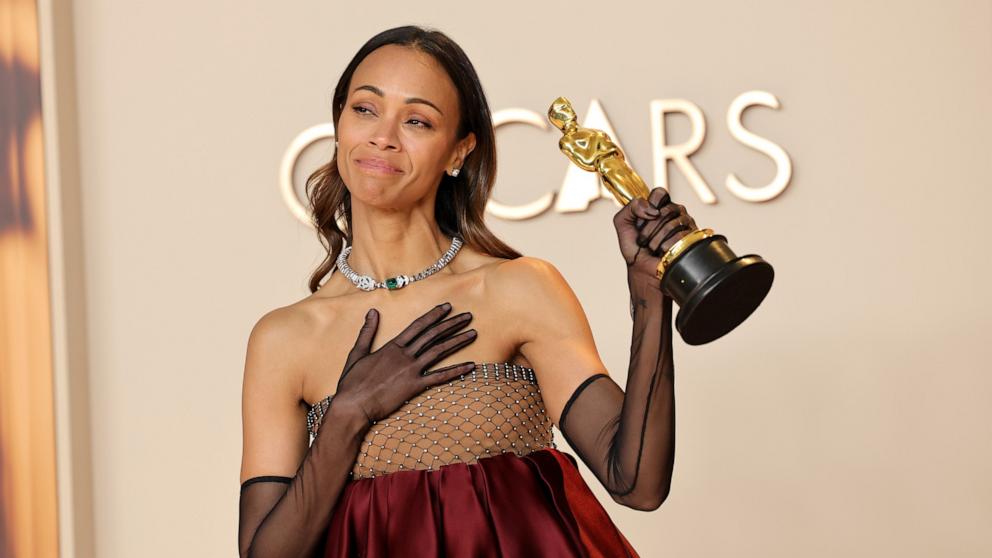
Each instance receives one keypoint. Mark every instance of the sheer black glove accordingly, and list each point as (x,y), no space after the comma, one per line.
(283,516)
(646,229)
(381,382)
(627,437)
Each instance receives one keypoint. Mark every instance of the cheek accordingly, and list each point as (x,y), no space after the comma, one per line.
(346,138)
(428,154)
(344,133)
(350,127)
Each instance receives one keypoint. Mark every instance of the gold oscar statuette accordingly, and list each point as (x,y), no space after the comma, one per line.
(715,289)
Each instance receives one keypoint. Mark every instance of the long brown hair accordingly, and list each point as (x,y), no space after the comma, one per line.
(461,202)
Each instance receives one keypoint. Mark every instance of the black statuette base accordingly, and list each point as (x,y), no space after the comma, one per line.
(715,289)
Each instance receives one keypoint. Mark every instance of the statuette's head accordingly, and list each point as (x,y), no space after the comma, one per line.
(561,114)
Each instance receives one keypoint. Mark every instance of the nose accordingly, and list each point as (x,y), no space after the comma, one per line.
(384,135)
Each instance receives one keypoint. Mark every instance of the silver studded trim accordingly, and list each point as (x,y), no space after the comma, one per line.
(510,371)
(315,416)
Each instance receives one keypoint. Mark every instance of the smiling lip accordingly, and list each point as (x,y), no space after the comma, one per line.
(377,165)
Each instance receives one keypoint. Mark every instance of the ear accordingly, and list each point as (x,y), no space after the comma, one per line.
(462,150)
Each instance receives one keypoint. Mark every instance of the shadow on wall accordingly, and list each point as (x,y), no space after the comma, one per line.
(21,105)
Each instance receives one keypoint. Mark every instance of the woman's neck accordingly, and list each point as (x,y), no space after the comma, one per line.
(390,243)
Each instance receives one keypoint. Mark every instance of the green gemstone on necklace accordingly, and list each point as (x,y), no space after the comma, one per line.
(392,283)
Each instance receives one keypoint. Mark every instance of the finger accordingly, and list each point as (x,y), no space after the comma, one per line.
(436,352)
(420,324)
(658,197)
(437,332)
(670,210)
(623,215)
(623,221)
(448,373)
(649,231)
(643,213)
(667,232)
(643,210)
(363,345)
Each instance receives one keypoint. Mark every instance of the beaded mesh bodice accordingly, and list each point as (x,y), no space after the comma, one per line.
(496,408)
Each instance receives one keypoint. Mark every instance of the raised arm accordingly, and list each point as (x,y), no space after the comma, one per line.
(625,436)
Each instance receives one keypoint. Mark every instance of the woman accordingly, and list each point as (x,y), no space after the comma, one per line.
(430,439)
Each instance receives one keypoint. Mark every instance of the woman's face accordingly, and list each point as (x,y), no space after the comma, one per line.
(397,131)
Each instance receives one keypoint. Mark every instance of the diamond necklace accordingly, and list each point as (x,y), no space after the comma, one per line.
(367,283)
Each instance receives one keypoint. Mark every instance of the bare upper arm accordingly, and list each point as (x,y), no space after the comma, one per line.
(274,437)
(553,330)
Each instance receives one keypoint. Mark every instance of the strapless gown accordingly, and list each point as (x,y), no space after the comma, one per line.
(469,468)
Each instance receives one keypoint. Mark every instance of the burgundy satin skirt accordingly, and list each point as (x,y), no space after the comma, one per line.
(499,506)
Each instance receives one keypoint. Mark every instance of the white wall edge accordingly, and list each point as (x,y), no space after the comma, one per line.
(68,470)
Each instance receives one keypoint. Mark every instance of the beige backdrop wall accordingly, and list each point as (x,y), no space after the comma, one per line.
(849,416)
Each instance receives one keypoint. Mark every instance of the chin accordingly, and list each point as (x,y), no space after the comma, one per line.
(380,193)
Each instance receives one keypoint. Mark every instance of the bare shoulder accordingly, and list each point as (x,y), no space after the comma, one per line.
(279,325)
(553,332)
(529,283)
(278,330)
(279,342)
(535,298)
(511,273)
(273,435)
